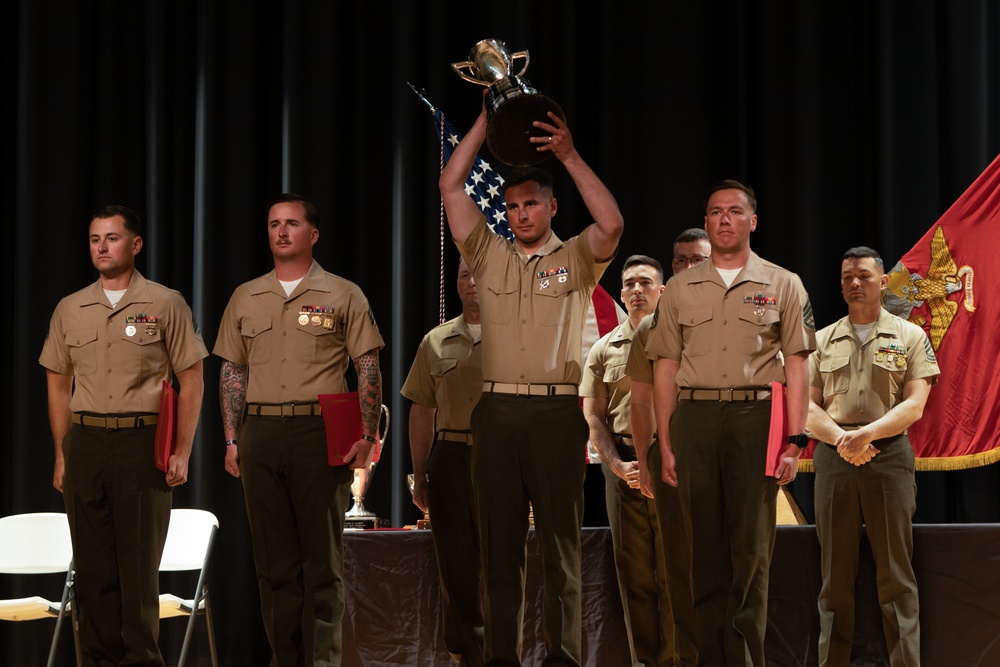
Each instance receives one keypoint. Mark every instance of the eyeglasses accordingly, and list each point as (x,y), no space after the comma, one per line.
(683,262)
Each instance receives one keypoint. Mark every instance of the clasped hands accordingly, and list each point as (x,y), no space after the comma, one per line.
(855,448)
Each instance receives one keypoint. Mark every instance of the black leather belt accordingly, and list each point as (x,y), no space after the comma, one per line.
(113,423)
(530,389)
(725,395)
(284,409)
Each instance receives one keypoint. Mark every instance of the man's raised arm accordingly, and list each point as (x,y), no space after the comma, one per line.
(461,210)
(608,222)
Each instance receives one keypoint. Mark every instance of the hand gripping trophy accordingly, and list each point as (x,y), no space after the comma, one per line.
(512,102)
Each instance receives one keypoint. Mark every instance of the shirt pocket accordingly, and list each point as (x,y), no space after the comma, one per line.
(553,299)
(82,344)
(316,344)
(757,325)
(256,334)
(614,373)
(503,299)
(888,376)
(697,330)
(442,366)
(143,350)
(836,374)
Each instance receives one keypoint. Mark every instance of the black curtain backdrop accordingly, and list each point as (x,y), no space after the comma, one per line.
(857,121)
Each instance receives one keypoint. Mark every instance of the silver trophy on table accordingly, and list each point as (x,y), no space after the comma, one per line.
(512,103)
(358,518)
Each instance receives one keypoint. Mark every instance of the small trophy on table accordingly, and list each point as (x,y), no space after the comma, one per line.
(425,522)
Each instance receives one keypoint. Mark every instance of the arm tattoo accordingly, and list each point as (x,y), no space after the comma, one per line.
(233,393)
(369,390)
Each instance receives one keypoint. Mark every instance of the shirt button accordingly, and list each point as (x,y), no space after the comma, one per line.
(524,321)
(108,345)
(284,333)
(285,307)
(723,348)
(725,321)
(109,370)
(522,348)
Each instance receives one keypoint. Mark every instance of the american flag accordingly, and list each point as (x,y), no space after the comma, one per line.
(484,185)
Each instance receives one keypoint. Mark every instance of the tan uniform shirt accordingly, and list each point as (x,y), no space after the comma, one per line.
(532,307)
(119,357)
(447,374)
(730,337)
(863,381)
(296,346)
(639,367)
(604,375)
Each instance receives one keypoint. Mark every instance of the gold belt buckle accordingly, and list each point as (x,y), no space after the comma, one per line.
(721,393)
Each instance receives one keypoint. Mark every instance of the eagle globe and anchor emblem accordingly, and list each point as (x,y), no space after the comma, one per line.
(907,293)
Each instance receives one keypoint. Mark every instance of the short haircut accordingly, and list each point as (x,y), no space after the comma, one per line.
(730,184)
(133,223)
(644,260)
(519,176)
(863,251)
(312,214)
(690,235)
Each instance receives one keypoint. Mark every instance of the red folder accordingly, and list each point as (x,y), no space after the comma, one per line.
(342,419)
(777,435)
(166,427)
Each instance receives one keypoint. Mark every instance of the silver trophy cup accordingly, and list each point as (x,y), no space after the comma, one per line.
(358,518)
(512,103)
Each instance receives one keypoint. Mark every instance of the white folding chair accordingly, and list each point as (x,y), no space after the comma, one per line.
(37,543)
(189,547)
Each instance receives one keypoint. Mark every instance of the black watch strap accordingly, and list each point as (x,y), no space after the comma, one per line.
(800,440)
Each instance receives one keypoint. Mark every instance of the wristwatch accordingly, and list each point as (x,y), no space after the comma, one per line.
(801,440)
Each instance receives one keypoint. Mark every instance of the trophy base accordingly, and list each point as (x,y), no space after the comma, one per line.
(423,524)
(509,131)
(364,522)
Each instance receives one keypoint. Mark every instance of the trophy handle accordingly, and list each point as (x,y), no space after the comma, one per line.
(458,70)
(384,433)
(527,59)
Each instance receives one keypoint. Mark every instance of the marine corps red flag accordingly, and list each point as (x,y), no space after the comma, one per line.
(933,286)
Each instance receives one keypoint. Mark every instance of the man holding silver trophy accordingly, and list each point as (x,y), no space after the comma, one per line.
(285,338)
(444,383)
(529,433)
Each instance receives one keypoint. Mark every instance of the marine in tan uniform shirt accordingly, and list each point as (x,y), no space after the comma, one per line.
(281,350)
(635,532)
(444,383)
(870,377)
(717,346)
(109,348)
(529,432)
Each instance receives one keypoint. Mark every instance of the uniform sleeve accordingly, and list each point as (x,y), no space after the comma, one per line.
(229,343)
(362,334)
(185,346)
(639,368)
(55,354)
(592,383)
(476,247)
(419,387)
(665,331)
(920,359)
(798,329)
(815,379)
